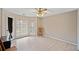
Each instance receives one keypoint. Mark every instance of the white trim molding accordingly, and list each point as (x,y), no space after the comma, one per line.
(52,37)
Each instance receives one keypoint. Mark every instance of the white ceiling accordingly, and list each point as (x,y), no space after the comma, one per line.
(30,12)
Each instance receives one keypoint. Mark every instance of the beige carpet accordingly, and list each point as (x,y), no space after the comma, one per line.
(43,44)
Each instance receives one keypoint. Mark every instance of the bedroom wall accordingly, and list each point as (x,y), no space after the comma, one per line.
(62,26)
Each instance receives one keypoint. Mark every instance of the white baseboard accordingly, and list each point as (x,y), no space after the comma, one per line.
(51,36)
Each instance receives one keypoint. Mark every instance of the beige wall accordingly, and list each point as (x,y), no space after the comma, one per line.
(62,26)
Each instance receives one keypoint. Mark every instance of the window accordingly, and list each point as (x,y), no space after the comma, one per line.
(32,28)
(21,28)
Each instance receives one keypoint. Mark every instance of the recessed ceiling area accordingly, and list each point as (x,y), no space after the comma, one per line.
(31,12)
